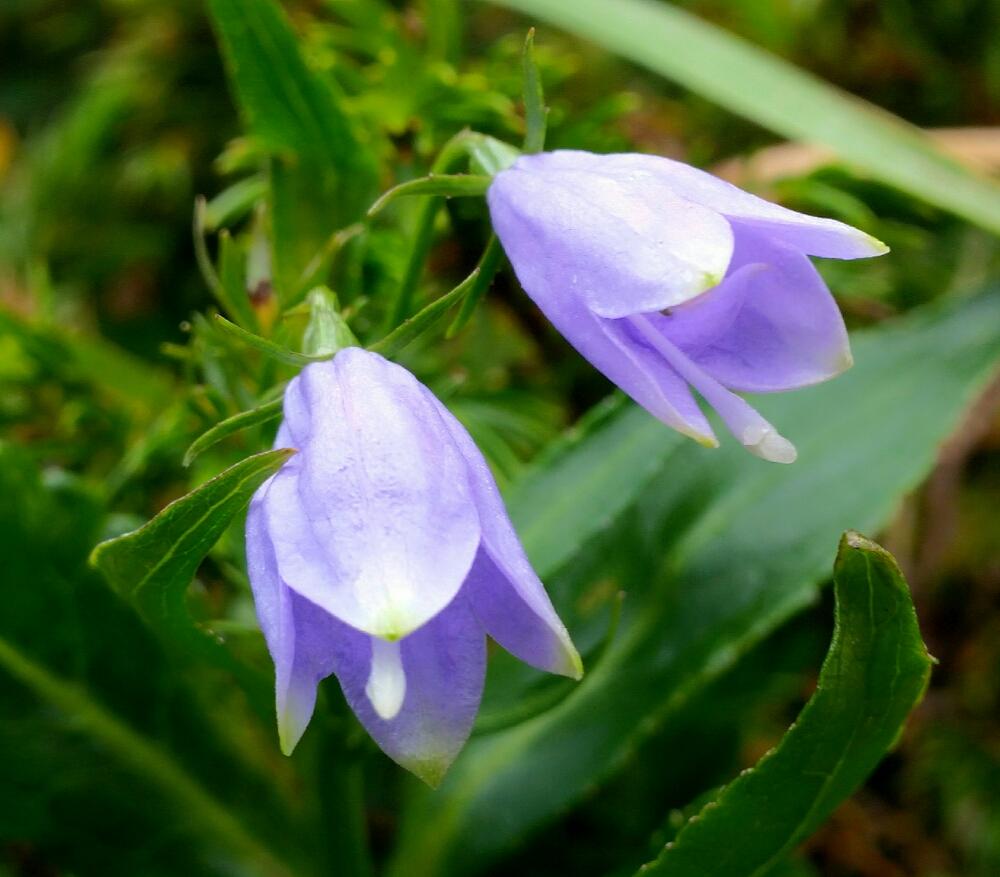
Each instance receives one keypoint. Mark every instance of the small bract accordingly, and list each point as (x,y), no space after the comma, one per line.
(382,553)
(667,279)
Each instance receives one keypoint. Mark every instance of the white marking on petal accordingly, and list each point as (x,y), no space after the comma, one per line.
(386,686)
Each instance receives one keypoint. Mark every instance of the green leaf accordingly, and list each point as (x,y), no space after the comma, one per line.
(534,99)
(321,174)
(588,482)
(445,185)
(875,673)
(146,761)
(288,107)
(153,566)
(264,345)
(409,330)
(485,155)
(774,93)
(254,417)
(720,550)
(234,203)
(233,277)
(489,264)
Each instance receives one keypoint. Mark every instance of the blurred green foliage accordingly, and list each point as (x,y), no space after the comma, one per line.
(116,114)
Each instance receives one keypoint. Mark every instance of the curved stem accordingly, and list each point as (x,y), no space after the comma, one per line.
(449,159)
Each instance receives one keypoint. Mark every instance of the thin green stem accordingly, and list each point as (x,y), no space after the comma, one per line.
(489,264)
(145,760)
(448,160)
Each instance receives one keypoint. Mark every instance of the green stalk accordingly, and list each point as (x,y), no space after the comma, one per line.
(449,159)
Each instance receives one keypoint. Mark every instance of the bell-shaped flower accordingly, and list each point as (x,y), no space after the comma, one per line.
(669,279)
(382,553)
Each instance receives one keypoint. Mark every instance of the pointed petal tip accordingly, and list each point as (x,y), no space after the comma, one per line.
(574,667)
(878,248)
(289,733)
(768,444)
(845,361)
(431,770)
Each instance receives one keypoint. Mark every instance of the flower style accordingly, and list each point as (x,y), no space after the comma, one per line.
(382,553)
(667,279)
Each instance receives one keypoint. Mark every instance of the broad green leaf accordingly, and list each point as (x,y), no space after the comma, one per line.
(148,762)
(586,484)
(774,93)
(153,566)
(875,673)
(726,548)
(99,716)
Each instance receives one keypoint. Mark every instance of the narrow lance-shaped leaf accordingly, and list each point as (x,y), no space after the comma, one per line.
(266,346)
(776,94)
(875,673)
(444,185)
(264,413)
(474,285)
(153,566)
(535,111)
(321,174)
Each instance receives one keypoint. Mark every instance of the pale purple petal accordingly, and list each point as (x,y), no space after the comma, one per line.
(743,421)
(538,262)
(303,564)
(378,489)
(444,663)
(620,242)
(516,612)
(503,588)
(297,633)
(814,235)
(771,325)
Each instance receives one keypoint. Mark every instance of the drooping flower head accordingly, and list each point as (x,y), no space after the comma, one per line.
(382,553)
(668,279)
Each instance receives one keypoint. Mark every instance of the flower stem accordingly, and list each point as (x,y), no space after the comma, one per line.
(448,160)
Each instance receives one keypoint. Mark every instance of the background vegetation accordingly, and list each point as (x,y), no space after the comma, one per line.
(135,740)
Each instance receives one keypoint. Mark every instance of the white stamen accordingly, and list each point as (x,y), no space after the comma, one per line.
(753,431)
(386,686)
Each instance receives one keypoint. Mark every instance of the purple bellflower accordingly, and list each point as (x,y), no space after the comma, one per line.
(382,553)
(669,279)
